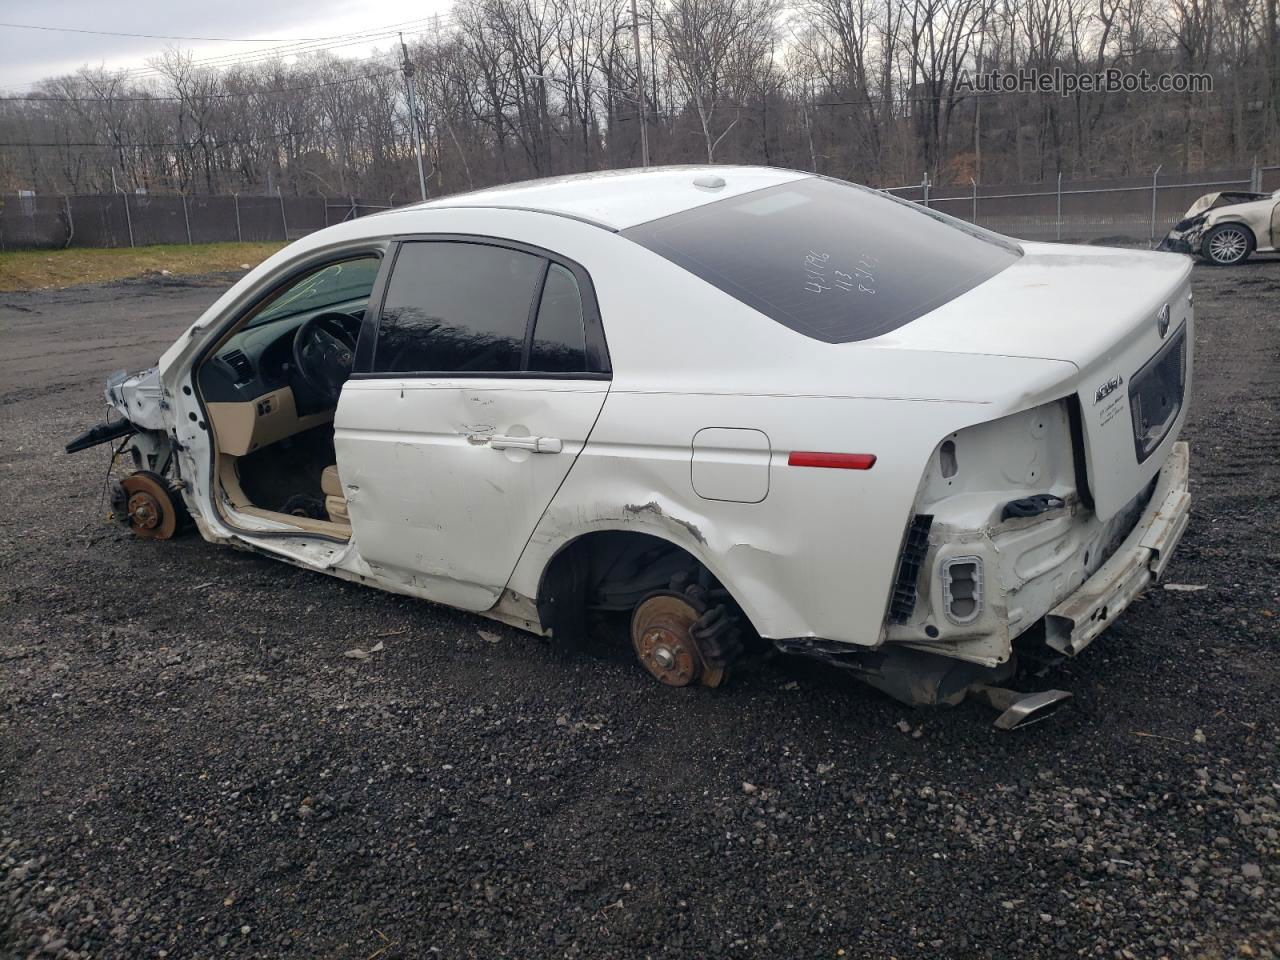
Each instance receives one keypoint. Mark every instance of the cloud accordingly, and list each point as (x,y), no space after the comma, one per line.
(30,55)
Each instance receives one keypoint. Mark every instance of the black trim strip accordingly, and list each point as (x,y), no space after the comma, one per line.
(535,307)
(368,338)
(1078,459)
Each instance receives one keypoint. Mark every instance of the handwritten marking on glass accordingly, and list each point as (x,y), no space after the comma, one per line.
(822,276)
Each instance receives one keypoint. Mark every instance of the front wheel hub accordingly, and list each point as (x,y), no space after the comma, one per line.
(151,507)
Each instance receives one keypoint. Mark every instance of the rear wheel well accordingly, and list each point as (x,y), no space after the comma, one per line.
(609,570)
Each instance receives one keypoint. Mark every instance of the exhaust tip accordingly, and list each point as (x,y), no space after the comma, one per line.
(1020,709)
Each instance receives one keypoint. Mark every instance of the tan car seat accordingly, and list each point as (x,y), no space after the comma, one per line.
(334,502)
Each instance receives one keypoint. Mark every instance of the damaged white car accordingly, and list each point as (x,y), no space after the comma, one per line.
(1226,227)
(725,402)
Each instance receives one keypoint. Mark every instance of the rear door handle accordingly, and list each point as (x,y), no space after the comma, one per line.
(532,444)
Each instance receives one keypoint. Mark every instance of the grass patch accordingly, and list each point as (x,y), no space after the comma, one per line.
(42,269)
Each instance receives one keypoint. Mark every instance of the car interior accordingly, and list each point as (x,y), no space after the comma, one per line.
(270,388)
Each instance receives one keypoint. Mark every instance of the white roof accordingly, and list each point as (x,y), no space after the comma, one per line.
(622,198)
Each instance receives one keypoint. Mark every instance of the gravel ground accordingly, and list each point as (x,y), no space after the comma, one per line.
(190,767)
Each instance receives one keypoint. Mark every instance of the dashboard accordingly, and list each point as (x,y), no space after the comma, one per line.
(259,360)
(253,392)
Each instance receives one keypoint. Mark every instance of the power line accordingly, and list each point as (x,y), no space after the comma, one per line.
(160,146)
(288,49)
(164,36)
(211,96)
(291,50)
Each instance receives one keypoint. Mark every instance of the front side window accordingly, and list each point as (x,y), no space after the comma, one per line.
(454,306)
(334,287)
(831,260)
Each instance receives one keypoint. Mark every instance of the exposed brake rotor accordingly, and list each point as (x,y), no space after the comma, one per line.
(150,507)
(660,633)
(680,640)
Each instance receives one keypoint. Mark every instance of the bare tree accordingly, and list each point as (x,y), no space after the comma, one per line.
(510,89)
(710,44)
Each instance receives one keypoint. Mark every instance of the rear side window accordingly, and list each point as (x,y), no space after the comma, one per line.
(457,307)
(828,259)
(559,337)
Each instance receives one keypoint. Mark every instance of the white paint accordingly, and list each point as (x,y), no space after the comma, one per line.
(1262,217)
(437,503)
(1093,307)
(623,198)
(438,513)
(731,464)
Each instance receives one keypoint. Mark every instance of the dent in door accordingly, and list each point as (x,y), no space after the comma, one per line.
(439,505)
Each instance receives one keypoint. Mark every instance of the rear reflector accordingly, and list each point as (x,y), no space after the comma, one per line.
(839,461)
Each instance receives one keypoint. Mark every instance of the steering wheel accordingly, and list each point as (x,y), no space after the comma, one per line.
(323,352)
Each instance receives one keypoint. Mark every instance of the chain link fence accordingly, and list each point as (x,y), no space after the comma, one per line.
(1118,210)
(136,220)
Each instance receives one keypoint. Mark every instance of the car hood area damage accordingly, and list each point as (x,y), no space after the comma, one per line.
(1249,221)
(138,398)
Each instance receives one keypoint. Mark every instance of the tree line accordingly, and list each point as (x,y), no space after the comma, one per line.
(878,91)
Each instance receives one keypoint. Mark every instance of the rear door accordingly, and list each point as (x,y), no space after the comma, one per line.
(477,384)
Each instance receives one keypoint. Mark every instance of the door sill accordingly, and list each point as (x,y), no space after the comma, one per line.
(307,525)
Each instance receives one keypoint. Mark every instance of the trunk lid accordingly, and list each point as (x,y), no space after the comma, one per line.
(1123,318)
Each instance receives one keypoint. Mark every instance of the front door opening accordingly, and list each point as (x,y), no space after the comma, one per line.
(270,389)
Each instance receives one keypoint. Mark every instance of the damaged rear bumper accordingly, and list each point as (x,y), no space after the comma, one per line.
(1141,560)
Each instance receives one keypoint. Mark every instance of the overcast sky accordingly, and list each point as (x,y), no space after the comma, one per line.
(30,55)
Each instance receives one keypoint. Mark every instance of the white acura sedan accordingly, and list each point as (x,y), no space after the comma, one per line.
(726,401)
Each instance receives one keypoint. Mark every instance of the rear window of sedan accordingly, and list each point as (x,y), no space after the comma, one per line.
(829,259)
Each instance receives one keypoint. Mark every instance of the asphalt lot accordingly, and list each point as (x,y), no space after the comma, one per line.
(190,767)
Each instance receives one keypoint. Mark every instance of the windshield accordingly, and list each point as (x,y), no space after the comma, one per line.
(829,259)
(338,283)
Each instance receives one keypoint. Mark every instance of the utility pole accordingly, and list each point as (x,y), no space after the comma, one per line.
(407,66)
(977,107)
(644,119)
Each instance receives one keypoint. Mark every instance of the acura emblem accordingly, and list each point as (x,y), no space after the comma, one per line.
(1162,320)
(1108,388)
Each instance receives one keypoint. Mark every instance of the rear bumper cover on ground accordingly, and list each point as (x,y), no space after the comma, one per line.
(1141,559)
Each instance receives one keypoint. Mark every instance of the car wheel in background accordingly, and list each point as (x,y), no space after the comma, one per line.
(1227,244)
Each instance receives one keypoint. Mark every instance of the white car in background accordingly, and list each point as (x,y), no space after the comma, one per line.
(725,402)
(1225,227)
